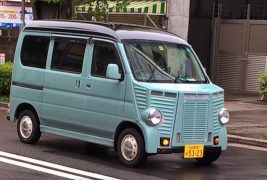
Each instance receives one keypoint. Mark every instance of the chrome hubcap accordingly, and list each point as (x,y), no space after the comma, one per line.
(129,147)
(25,127)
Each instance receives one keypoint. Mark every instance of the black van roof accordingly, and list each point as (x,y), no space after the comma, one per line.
(116,31)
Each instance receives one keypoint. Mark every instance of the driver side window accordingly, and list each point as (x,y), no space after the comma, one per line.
(104,53)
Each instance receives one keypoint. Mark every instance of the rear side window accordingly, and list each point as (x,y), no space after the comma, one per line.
(68,55)
(34,51)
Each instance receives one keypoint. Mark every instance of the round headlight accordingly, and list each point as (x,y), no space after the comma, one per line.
(224,116)
(154,116)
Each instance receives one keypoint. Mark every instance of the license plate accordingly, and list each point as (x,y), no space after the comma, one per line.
(193,151)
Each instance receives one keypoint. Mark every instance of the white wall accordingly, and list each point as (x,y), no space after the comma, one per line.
(178,17)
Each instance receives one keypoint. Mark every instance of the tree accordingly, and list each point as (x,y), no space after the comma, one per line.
(99,12)
(63,9)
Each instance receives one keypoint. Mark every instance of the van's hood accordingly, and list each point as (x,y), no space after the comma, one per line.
(183,88)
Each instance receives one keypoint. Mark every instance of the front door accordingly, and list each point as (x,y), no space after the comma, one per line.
(104,98)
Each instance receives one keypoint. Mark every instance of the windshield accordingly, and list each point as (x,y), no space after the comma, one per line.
(163,62)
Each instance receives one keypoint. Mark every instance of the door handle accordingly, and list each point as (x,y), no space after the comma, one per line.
(88,86)
(78,83)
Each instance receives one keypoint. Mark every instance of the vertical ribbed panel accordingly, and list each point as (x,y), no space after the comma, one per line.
(217,104)
(167,108)
(195,121)
(255,65)
(141,97)
(229,70)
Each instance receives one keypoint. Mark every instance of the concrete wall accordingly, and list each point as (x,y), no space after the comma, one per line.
(178,17)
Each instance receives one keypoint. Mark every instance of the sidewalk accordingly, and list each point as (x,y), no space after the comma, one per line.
(248,120)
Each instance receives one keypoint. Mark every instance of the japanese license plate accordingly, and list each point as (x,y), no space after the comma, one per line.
(193,151)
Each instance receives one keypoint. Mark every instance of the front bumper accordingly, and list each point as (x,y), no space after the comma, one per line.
(181,149)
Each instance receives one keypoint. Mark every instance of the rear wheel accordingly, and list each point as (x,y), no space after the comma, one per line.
(28,127)
(131,148)
(209,157)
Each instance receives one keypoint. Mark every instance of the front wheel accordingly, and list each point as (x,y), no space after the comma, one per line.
(209,157)
(28,127)
(131,148)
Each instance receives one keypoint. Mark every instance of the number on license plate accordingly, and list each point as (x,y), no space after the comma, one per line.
(194,151)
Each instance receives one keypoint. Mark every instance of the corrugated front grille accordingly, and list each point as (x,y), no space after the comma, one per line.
(195,120)
(167,108)
(141,97)
(217,104)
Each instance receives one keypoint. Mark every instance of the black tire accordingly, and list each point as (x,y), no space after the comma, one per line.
(28,120)
(209,157)
(140,156)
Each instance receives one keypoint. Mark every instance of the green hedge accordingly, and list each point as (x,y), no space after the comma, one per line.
(5,78)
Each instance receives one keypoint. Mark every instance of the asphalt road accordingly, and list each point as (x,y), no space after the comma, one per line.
(235,163)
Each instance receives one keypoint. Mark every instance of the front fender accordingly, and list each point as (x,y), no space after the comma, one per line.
(223,138)
(151,137)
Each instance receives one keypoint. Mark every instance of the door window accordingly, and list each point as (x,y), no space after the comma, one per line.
(68,55)
(104,53)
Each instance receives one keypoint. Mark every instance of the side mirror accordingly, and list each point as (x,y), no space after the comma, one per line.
(113,72)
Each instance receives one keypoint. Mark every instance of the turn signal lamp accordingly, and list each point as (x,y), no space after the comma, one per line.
(216,140)
(164,141)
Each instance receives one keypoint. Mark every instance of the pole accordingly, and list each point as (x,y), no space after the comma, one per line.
(22,14)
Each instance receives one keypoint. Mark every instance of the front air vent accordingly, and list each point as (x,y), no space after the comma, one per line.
(166,94)
(217,104)
(141,97)
(156,93)
(196,96)
(167,107)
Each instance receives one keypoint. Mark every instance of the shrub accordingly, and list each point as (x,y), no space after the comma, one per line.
(263,85)
(5,78)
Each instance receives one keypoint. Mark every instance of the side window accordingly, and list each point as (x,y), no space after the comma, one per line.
(34,51)
(68,55)
(104,53)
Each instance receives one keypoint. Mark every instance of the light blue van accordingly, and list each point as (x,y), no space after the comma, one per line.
(136,89)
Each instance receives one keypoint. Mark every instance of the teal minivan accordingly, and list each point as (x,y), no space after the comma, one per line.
(139,90)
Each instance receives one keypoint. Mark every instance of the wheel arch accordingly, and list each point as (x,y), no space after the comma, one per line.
(123,125)
(25,106)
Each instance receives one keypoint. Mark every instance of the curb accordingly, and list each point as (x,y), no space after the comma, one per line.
(247,141)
